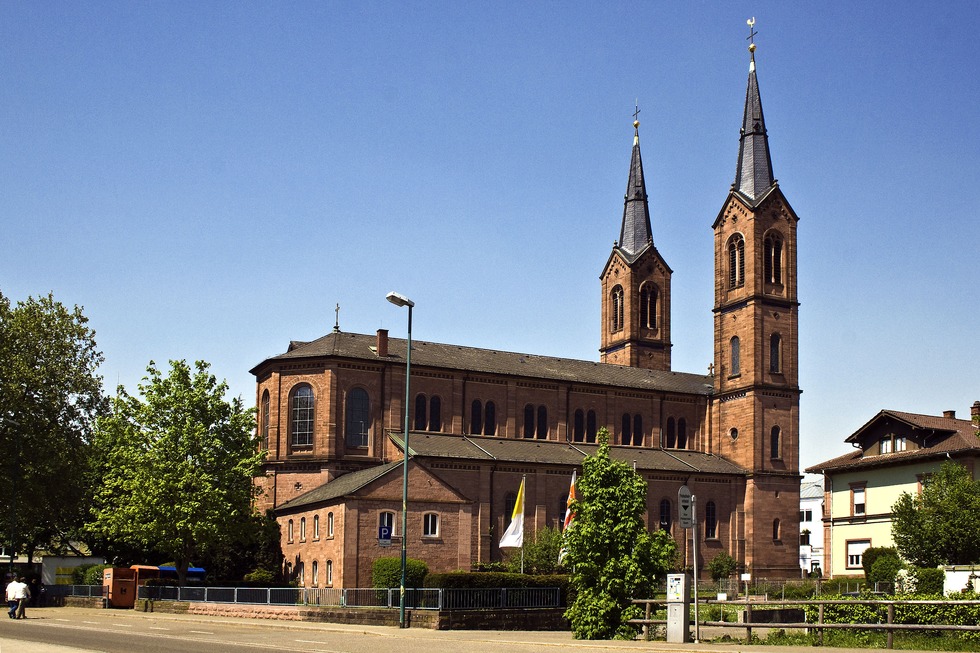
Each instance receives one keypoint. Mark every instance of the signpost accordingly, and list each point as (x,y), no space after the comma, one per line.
(384,535)
(687,507)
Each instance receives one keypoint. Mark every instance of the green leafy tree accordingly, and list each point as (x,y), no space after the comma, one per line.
(176,467)
(50,397)
(540,553)
(722,566)
(940,525)
(613,557)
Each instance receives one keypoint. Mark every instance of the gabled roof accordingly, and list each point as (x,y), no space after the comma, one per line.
(953,437)
(811,490)
(456,357)
(340,487)
(534,452)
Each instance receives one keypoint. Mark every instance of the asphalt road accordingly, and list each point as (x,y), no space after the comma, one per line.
(77,630)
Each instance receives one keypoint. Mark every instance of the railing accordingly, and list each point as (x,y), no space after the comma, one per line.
(89,591)
(886,616)
(415,598)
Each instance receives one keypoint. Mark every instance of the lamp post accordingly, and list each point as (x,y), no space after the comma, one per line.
(402,300)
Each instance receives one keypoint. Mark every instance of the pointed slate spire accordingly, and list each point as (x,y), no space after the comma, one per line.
(754,174)
(636,233)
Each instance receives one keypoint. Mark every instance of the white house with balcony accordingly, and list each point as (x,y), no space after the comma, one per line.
(811,527)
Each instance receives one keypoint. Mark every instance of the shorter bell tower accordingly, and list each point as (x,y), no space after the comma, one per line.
(636,284)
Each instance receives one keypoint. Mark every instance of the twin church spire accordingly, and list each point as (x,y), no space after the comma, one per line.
(754,177)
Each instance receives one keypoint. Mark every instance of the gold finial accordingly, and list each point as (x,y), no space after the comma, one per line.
(636,123)
(752,34)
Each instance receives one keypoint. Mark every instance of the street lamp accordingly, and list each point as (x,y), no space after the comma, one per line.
(402,300)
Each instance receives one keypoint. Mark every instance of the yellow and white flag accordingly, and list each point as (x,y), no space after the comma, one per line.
(514,535)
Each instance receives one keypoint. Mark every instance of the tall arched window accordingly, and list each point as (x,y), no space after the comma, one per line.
(682,433)
(637,430)
(490,421)
(616,323)
(420,412)
(775,529)
(773,258)
(329,524)
(736,356)
(302,529)
(302,408)
(358,417)
(264,420)
(435,414)
(316,527)
(476,417)
(289,531)
(671,433)
(665,517)
(542,423)
(590,426)
(578,429)
(774,444)
(316,571)
(386,519)
(529,421)
(775,353)
(626,434)
(648,306)
(710,521)
(736,261)
(329,579)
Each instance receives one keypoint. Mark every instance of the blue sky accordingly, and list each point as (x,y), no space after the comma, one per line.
(208,179)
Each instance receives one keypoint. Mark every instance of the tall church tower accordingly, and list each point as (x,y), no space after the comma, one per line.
(756,384)
(636,284)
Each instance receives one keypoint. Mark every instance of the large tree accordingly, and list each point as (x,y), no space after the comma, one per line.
(941,525)
(50,396)
(176,467)
(612,555)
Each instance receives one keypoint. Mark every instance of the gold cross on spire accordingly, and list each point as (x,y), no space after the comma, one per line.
(752,33)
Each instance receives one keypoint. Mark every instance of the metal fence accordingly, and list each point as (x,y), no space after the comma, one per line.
(88,591)
(415,599)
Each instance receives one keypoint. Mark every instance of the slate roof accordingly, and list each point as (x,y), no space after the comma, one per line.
(490,361)
(636,233)
(753,177)
(489,449)
(957,437)
(340,486)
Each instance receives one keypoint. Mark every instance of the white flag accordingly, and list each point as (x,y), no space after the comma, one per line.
(514,535)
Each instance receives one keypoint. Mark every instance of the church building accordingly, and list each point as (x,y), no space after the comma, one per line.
(331,411)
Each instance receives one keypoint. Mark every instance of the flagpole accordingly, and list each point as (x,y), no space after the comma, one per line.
(523,485)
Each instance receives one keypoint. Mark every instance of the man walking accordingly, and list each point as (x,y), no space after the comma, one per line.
(13,597)
(23,595)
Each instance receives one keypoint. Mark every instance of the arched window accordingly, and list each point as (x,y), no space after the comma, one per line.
(774,259)
(329,524)
(476,417)
(710,521)
(682,433)
(420,412)
(265,420)
(529,421)
(774,448)
(648,306)
(358,417)
(736,356)
(736,261)
(617,309)
(578,430)
(302,529)
(671,433)
(316,572)
(637,430)
(329,579)
(490,421)
(302,408)
(435,414)
(626,436)
(590,426)
(775,353)
(386,519)
(775,529)
(316,527)
(665,517)
(542,422)
(289,531)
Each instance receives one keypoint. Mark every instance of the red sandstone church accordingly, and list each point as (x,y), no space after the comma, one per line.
(331,411)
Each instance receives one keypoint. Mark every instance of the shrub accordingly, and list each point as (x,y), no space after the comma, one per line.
(722,566)
(871,554)
(260,578)
(93,575)
(387,572)
(929,580)
(884,570)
